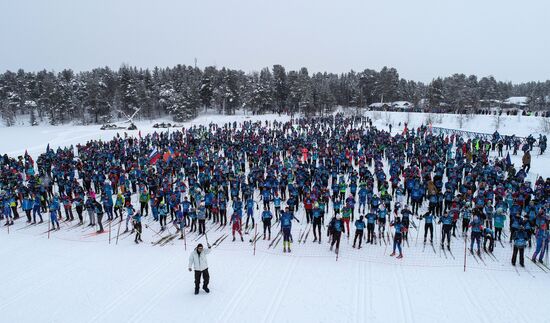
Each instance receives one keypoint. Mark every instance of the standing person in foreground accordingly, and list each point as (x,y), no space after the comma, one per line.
(286,227)
(397,237)
(199,261)
(519,245)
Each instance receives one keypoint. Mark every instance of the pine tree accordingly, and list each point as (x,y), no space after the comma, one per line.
(280,87)
(435,94)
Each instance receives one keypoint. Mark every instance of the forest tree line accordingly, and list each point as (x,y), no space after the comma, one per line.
(104,95)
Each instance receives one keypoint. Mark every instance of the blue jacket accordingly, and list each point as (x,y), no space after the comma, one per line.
(476,226)
(520,239)
(27,204)
(266,215)
(359,224)
(398,228)
(446,219)
(371,218)
(286,220)
(428,217)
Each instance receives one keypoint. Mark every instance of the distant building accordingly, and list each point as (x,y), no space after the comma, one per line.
(380,106)
(490,103)
(402,105)
(519,102)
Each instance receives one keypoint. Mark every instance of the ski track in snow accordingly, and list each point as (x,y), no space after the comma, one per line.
(510,312)
(371,293)
(117,301)
(473,302)
(404,291)
(359,279)
(233,305)
(30,291)
(272,310)
(168,285)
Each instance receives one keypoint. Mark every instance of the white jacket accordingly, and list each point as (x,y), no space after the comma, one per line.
(200,261)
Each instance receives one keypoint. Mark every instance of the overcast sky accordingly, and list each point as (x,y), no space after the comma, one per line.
(421,38)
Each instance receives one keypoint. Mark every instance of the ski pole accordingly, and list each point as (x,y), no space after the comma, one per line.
(255,233)
(417,232)
(156,233)
(48,227)
(110,232)
(184,240)
(118,231)
(465,254)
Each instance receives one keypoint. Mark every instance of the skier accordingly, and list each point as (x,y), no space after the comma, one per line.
(519,245)
(359,229)
(90,208)
(236,225)
(317,219)
(477,228)
(447,224)
(54,207)
(162,215)
(336,226)
(99,214)
(144,198)
(428,226)
(201,216)
(397,237)
(129,214)
(499,222)
(136,219)
(371,221)
(250,212)
(27,207)
(199,261)
(488,238)
(286,227)
(542,238)
(36,209)
(266,220)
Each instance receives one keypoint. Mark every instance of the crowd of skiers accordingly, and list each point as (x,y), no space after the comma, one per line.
(344,173)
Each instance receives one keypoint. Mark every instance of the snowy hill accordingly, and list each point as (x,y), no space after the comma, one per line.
(76,276)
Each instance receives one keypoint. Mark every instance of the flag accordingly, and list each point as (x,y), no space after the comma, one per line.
(168,155)
(154,156)
(139,134)
(48,148)
(508,160)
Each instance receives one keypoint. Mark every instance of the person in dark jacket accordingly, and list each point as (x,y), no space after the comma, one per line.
(520,241)
(99,215)
(359,229)
(397,237)
(336,227)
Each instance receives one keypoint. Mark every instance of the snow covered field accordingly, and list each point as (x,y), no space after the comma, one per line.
(75,277)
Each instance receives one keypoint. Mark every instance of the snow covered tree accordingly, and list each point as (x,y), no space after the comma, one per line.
(387,84)
(435,94)
(280,87)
